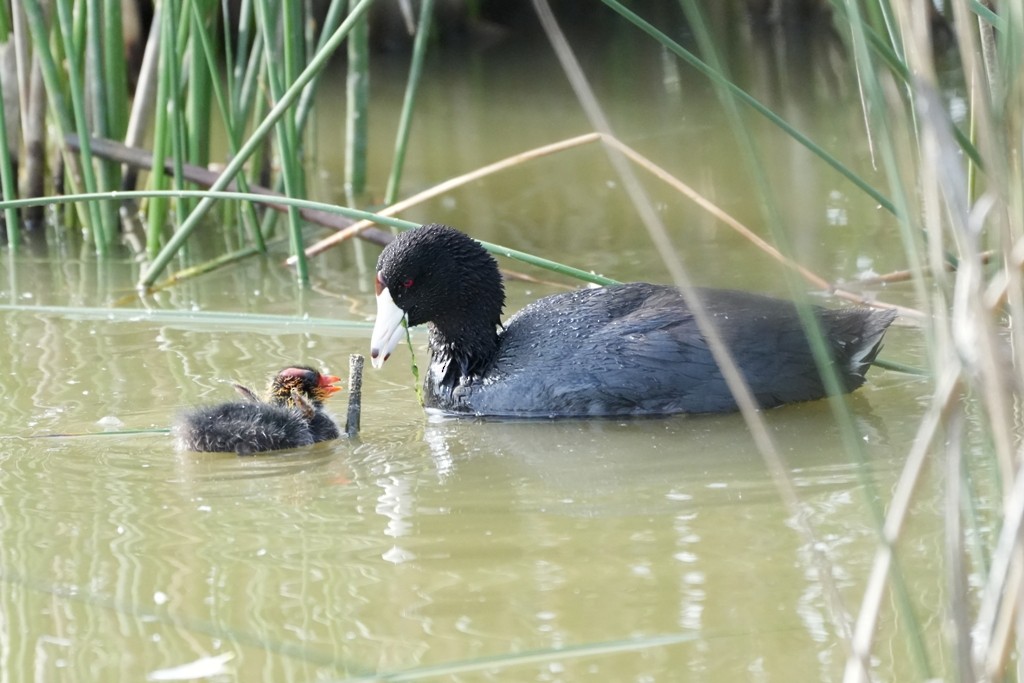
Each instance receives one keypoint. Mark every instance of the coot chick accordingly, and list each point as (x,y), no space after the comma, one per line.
(291,415)
(630,349)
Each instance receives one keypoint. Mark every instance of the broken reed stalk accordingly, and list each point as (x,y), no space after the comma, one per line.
(355,394)
(448,185)
(815,280)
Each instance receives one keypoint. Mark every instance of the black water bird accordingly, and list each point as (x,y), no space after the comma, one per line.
(290,415)
(629,349)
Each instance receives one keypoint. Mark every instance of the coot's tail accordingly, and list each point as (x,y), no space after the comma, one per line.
(857,338)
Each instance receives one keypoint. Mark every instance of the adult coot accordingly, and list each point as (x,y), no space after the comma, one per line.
(631,349)
(291,415)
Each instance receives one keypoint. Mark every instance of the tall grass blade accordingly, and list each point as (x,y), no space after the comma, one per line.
(101,231)
(279,109)
(740,390)
(898,66)
(232,125)
(200,82)
(409,101)
(956,571)
(213,319)
(102,99)
(279,73)
(177,124)
(247,96)
(357,105)
(335,14)
(54,87)
(967,339)
(115,70)
(850,436)
(748,99)
(213,196)
(8,183)
(159,207)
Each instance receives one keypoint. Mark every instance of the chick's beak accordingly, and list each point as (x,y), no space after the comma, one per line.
(327,383)
(387,328)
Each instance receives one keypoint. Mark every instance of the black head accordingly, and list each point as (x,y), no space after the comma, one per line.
(301,381)
(436,273)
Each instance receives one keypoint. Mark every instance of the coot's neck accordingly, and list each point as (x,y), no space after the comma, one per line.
(463,347)
(464,333)
(461,294)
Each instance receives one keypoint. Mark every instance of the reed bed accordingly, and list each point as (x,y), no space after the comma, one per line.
(954,192)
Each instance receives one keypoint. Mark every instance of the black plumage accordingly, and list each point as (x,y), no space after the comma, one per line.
(631,349)
(291,415)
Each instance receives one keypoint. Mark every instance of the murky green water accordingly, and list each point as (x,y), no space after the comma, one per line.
(649,550)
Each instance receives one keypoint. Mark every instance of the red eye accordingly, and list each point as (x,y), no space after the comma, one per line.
(408,283)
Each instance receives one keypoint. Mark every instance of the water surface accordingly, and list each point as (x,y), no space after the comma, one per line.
(641,550)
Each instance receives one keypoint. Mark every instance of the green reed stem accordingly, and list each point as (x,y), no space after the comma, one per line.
(48,65)
(216,319)
(414,366)
(408,103)
(178,23)
(886,148)
(357,104)
(748,99)
(231,126)
(101,100)
(212,264)
(294,155)
(547,264)
(200,84)
(100,231)
(246,101)
(335,13)
(881,13)
(237,59)
(277,111)
(214,195)
(897,64)
(752,161)
(8,183)
(245,94)
(850,435)
(54,86)
(159,206)
(288,147)
(115,70)
(988,15)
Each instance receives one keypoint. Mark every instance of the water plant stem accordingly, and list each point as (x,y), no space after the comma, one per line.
(357,107)
(419,51)
(161,260)
(8,183)
(748,99)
